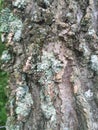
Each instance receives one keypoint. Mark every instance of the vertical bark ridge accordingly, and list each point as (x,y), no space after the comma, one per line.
(52,60)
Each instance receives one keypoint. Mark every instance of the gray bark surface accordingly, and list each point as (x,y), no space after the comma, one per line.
(52,59)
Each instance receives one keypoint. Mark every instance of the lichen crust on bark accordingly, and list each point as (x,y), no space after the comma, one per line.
(52,59)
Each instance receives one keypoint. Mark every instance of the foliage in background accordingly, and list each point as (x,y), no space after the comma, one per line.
(1,4)
(3,98)
(3,84)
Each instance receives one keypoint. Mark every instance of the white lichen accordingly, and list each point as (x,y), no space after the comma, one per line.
(5,56)
(91,31)
(17,35)
(89,94)
(94,63)
(47,2)
(20,3)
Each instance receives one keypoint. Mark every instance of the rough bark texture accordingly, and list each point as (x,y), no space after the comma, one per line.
(52,59)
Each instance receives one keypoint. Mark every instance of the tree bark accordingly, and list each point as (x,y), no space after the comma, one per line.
(52,59)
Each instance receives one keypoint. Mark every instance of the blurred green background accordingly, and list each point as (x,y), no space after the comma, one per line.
(3,84)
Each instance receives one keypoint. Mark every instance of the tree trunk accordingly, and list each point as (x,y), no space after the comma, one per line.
(52,59)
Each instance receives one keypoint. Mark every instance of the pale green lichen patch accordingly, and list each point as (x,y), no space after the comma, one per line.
(21,108)
(16,28)
(94,63)
(10,24)
(11,126)
(48,109)
(4,20)
(20,3)
(85,49)
(49,66)
(23,101)
(49,62)
(5,56)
